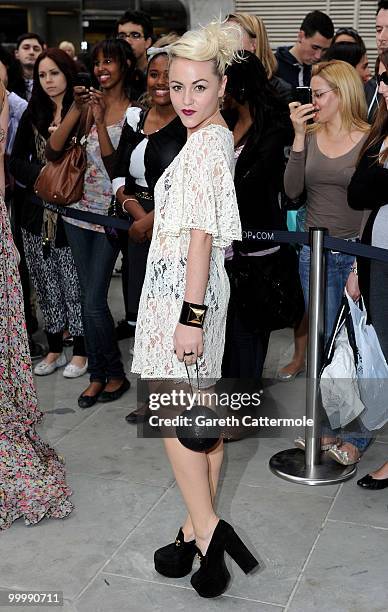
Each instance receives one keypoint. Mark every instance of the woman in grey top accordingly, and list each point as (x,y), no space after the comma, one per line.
(322,161)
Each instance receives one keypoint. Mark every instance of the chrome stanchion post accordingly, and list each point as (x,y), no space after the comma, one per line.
(315,344)
(311,466)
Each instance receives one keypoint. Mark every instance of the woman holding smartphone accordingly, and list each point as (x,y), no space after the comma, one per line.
(93,253)
(322,161)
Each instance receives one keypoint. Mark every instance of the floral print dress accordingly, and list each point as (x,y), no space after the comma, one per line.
(32,476)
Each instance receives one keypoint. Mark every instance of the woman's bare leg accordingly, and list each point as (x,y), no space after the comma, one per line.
(300,343)
(381,473)
(214,459)
(192,473)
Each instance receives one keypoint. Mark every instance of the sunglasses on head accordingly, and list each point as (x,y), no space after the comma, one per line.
(350,31)
(383,77)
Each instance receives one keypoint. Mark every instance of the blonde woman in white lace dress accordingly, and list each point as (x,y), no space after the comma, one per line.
(196,217)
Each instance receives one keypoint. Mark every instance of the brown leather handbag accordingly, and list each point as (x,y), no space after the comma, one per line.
(62,181)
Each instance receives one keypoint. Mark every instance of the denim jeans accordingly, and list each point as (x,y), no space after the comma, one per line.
(94,258)
(337,271)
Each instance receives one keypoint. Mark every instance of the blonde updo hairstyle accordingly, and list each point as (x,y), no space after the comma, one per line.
(346,82)
(217,42)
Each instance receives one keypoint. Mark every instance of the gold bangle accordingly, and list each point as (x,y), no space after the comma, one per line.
(128,200)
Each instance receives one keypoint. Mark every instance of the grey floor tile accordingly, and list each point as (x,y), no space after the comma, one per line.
(282,348)
(358,505)
(247,461)
(382,435)
(346,573)
(117,594)
(279,526)
(65,554)
(107,446)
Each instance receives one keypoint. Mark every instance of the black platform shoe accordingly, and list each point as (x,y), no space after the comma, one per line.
(213,577)
(175,560)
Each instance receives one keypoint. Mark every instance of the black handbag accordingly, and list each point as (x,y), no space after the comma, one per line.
(266,290)
(200,430)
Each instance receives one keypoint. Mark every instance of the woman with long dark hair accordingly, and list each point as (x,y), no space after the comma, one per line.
(368,191)
(261,129)
(352,53)
(48,255)
(93,253)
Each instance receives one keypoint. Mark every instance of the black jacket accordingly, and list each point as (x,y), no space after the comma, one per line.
(284,90)
(25,167)
(368,190)
(259,179)
(372,98)
(289,68)
(163,146)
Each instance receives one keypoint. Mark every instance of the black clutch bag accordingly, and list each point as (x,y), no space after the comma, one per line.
(200,431)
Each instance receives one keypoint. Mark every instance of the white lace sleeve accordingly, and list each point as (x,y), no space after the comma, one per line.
(207,194)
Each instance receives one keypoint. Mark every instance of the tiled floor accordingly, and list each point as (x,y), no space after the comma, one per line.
(321,548)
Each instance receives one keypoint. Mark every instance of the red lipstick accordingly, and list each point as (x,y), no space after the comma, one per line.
(188,112)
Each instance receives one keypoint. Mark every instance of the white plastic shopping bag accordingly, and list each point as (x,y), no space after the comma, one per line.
(372,369)
(340,393)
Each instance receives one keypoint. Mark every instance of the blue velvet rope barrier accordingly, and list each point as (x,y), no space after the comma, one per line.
(334,244)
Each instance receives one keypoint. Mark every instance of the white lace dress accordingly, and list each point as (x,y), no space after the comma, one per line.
(195,192)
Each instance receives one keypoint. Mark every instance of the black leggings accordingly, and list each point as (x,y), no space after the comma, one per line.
(55,342)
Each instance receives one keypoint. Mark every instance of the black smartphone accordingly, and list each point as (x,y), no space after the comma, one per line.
(83,79)
(304,95)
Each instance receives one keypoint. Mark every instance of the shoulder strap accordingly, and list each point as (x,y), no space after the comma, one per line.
(84,124)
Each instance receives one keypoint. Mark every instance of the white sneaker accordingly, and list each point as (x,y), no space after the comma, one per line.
(43,368)
(74,371)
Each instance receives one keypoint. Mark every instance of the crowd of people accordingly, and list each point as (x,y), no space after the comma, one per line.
(195,140)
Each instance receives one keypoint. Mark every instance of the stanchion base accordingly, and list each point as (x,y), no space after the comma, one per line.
(290,465)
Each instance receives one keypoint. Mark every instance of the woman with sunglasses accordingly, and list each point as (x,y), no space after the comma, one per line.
(323,160)
(150,140)
(261,128)
(255,40)
(348,35)
(368,192)
(93,253)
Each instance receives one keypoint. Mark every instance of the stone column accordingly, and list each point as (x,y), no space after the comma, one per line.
(37,21)
(203,11)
